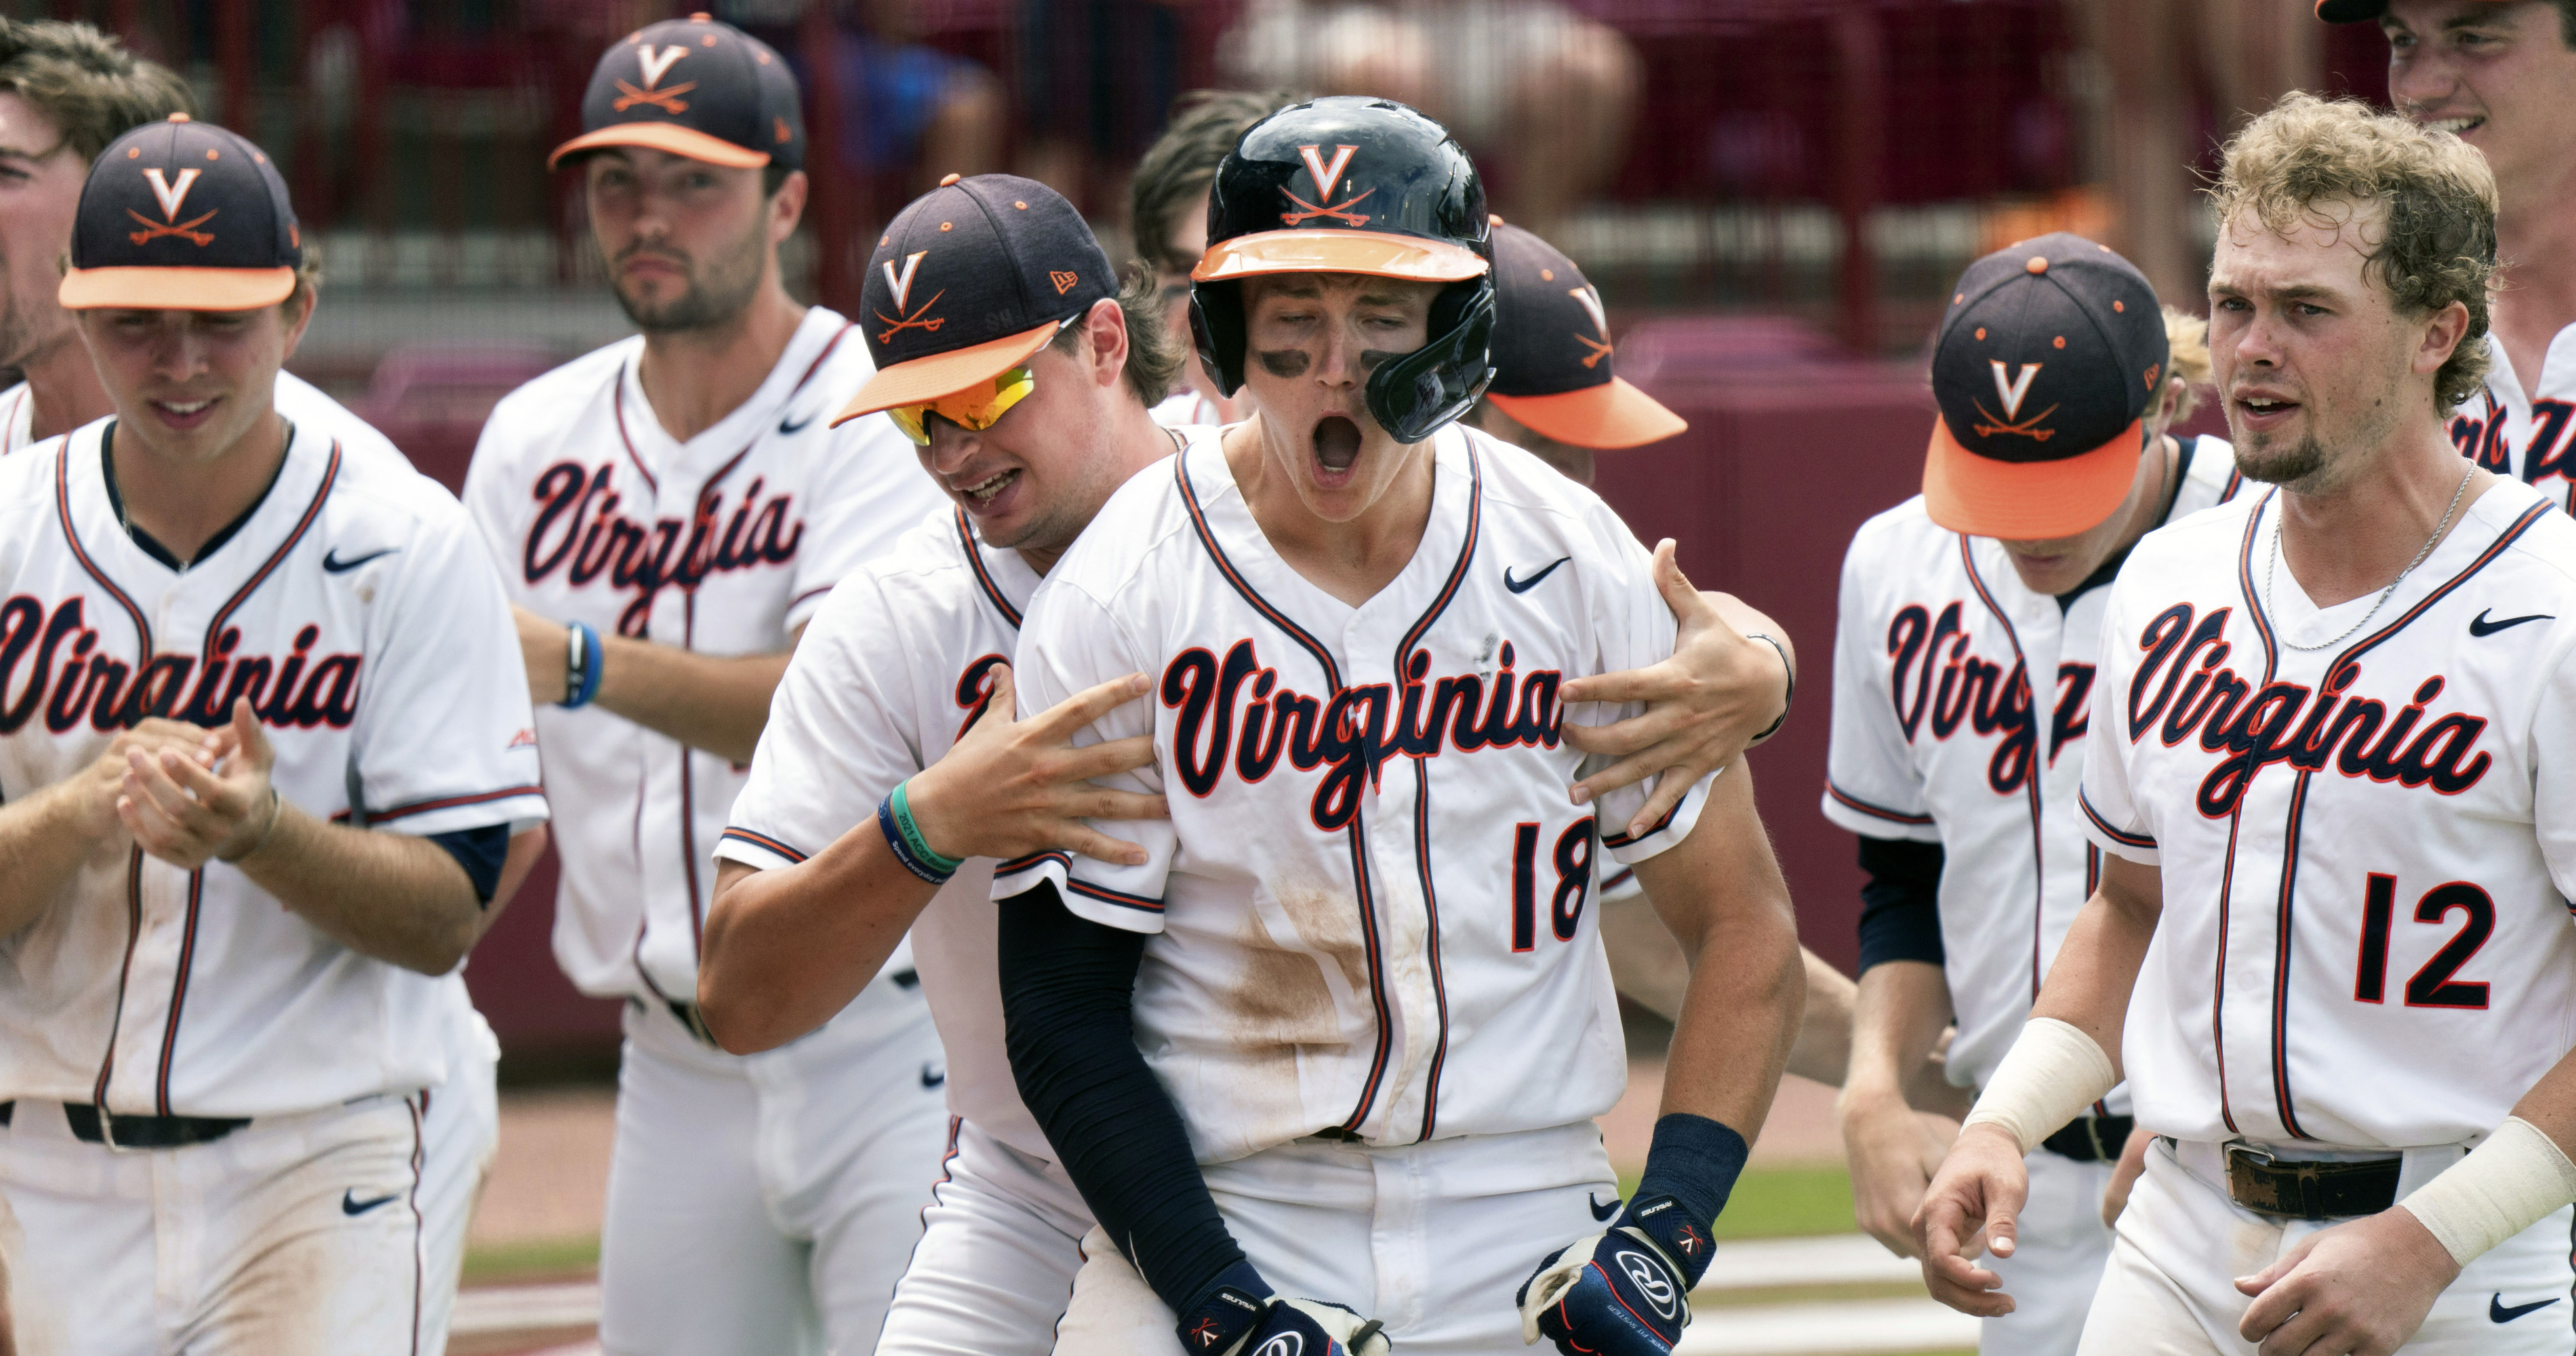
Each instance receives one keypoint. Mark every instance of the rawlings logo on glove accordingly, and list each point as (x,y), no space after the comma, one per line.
(1616,1293)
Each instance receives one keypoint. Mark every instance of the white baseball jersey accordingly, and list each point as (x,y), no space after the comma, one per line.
(1368,906)
(1939,652)
(2369,847)
(2525,431)
(356,608)
(896,664)
(1186,408)
(723,545)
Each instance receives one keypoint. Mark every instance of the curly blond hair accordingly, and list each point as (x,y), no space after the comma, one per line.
(2319,161)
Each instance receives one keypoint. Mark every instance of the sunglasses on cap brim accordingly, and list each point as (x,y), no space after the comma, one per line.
(976,408)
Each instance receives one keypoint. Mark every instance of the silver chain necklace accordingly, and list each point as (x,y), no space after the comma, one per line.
(2274,569)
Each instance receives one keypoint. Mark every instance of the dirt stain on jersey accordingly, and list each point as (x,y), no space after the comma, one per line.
(1281,998)
(1328,920)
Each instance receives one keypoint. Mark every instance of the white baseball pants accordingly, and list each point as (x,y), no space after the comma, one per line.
(767,1203)
(2169,1289)
(997,1258)
(460,1128)
(292,1236)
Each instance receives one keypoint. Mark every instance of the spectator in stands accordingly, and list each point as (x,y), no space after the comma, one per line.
(910,112)
(1167,211)
(1542,96)
(1095,80)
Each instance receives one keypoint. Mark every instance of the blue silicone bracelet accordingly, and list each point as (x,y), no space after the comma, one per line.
(591,657)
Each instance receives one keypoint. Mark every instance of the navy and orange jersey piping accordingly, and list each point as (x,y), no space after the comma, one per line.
(1087,889)
(1617,879)
(984,580)
(1422,792)
(418,1105)
(179,991)
(1355,832)
(71,538)
(376,818)
(1851,802)
(617,407)
(762,841)
(1016,865)
(2031,782)
(2343,665)
(313,510)
(133,932)
(947,1174)
(1623,838)
(2110,830)
(689,772)
(2092,872)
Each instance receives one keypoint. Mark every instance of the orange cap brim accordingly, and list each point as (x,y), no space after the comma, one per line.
(943,374)
(1332,251)
(663,136)
(2031,500)
(1612,415)
(175,289)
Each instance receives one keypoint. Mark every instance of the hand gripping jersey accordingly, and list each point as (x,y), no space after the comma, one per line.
(356,609)
(2367,850)
(2527,432)
(1939,652)
(1369,903)
(723,545)
(898,661)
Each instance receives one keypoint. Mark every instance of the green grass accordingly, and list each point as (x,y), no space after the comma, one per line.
(553,1259)
(1783,1203)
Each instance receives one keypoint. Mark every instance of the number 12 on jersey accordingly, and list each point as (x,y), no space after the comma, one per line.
(1573,882)
(2432,986)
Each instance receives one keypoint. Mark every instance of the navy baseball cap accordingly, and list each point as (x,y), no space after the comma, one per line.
(693,87)
(2354,11)
(972,278)
(2043,367)
(1551,352)
(182,216)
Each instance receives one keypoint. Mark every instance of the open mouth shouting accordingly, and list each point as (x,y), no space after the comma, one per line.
(1336,441)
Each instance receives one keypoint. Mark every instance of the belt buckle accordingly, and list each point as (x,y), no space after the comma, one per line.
(2305,1174)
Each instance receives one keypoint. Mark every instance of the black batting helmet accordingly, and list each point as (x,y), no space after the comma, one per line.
(1355,185)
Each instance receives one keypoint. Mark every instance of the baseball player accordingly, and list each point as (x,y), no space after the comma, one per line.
(668,512)
(2330,942)
(1557,396)
(222,1016)
(1367,908)
(68,86)
(2500,77)
(1035,403)
(1965,800)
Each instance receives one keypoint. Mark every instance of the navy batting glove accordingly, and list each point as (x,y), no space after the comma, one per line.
(1612,1294)
(1229,1320)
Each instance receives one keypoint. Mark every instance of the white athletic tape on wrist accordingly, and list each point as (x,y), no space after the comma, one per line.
(2049,1076)
(2505,1185)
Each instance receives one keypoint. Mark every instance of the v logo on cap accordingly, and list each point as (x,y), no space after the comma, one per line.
(902,283)
(2011,394)
(170,198)
(657,61)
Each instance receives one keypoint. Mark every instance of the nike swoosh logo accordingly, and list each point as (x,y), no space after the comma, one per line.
(332,564)
(932,1075)
(1525,585)
(1599,1211)
(2480,626)
(785,427)
(351,1205)
(2497,1311)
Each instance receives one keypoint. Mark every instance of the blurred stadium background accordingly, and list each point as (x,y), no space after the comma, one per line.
(1771,194)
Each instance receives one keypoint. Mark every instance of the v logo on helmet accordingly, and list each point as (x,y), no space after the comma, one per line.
(902,283)
(2012,392)
(171,197)
(1326,175)
(657,61)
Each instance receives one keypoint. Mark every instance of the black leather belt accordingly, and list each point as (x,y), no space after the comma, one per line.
(2305,1189)
(1338,1135)
(2091,1139)
(146,1132)
(687,1013)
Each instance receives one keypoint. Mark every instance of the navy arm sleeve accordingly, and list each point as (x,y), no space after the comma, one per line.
(1068,987)
(480,850)
(1900,907)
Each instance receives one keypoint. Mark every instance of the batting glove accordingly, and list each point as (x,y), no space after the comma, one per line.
(1617,1293)
(1280,1327)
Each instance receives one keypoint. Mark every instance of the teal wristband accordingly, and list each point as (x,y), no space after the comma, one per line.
(912,833)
